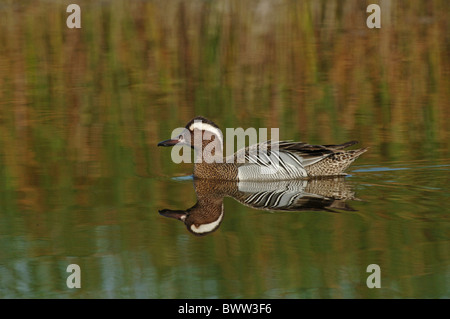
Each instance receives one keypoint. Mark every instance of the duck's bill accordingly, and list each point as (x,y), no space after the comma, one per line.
(168,142)
(177,214)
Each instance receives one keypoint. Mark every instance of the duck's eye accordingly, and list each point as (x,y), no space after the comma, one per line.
(181,137)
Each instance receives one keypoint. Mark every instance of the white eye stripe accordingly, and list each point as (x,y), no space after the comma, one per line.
(208,128)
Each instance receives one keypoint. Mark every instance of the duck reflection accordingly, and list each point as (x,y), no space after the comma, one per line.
(206,215)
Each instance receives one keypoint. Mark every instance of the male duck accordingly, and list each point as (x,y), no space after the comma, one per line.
(267,161)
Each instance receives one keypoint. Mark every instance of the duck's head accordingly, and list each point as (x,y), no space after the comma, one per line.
(198,133)
(199,220)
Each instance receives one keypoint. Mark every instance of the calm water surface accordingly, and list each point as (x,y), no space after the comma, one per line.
(82,180)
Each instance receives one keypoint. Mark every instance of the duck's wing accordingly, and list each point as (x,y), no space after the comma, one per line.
(340,146)
(304,150)
(305,153)
(295,195)
(281,159)
(308,151)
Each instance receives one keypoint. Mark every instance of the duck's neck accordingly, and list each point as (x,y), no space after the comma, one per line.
(223,172)
(209,168)
(210,163)
(211,153)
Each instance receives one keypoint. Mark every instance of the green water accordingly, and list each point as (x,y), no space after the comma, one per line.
(82,180)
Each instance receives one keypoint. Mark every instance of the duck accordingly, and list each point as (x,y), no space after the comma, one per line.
(318,195)
(264,161)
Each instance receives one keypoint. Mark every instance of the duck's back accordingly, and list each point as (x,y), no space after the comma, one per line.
(293,160)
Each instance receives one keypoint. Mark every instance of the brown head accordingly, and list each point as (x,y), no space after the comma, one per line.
(204,136)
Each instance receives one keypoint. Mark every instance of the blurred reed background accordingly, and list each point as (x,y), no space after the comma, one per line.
(81,110)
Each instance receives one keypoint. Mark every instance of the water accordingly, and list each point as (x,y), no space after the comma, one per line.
(83,182)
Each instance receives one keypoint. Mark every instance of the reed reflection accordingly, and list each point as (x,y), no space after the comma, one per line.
(205,217)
